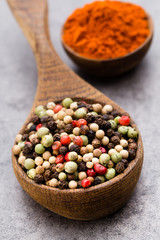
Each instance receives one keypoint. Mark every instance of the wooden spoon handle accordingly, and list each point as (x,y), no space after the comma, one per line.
(55,79)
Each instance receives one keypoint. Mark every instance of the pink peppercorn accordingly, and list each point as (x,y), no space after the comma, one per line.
(65,140)
(86,183)
(81,122)
(56,145)
(74,123)
(57,108)
(60,159)
(38,126)
(124,120)
(66,157)
(78,140)
(100,169)
(103,150)
(91,172)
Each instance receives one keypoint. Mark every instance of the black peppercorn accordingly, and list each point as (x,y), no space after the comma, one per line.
(118,134)
(82,167)
(132,154)
(32,128)
(90,118)
(39,178)
(131,140)
(132,146)
(111,117)
(125,162)
(81,104)
(105,117)
(115,113)
(53,167)
(115,140)
(119,167)
(84,129)
(61,131)
(79,184)
(28,147)
(55,175)
(47,175)
(25,137)
(105,125)
(63,184)
(91,135)
(97,181)
(68,128)
(52,125)
(43,119)
(71,177)
(96,143)
(56,137)
(63,150)
(98,120)
(89,107)
(110,146)
(35,120)
(74,148)
(109,133)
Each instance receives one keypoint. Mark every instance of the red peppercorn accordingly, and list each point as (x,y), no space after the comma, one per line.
(38,126)
(65,140)
(103,150)
(91,172)
(60,159)
(81,122)
(28,143)
(57,108)
(66,157)
(86,183)
(124,120)
(74,123)
(56,145)
(100,169)
(78,140)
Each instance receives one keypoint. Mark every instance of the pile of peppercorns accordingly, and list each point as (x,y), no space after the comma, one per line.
(75,144)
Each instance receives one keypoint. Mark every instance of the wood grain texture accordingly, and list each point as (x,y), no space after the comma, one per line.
(111,67)
(56,81)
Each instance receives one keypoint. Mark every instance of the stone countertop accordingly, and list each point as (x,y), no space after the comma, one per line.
(137,92)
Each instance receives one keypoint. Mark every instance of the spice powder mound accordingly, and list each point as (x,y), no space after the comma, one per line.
(106,29)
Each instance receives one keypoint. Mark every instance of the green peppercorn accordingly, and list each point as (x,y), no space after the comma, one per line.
(21,144)
(132,133)
(39,149)
(117,119)
(42,131)
(85,140)
(31,173)
(42,113)
(113,124)
(29,163)
(110,173)
(67,102)
(47,141)
(80,113)
(93,113)
(71,167)
(104,159)
(116,157)
(123,130)
(39,109)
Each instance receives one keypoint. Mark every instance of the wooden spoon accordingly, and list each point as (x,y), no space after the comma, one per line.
(56,81)
(111,67)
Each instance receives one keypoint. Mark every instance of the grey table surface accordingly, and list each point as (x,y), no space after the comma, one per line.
(137,92)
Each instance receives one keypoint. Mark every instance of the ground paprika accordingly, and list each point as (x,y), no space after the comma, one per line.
(106,29)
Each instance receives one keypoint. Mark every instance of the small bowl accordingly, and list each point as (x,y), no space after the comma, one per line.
(111,67)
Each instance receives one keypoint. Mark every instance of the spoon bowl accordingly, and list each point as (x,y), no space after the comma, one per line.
(55,82)
(111,67)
